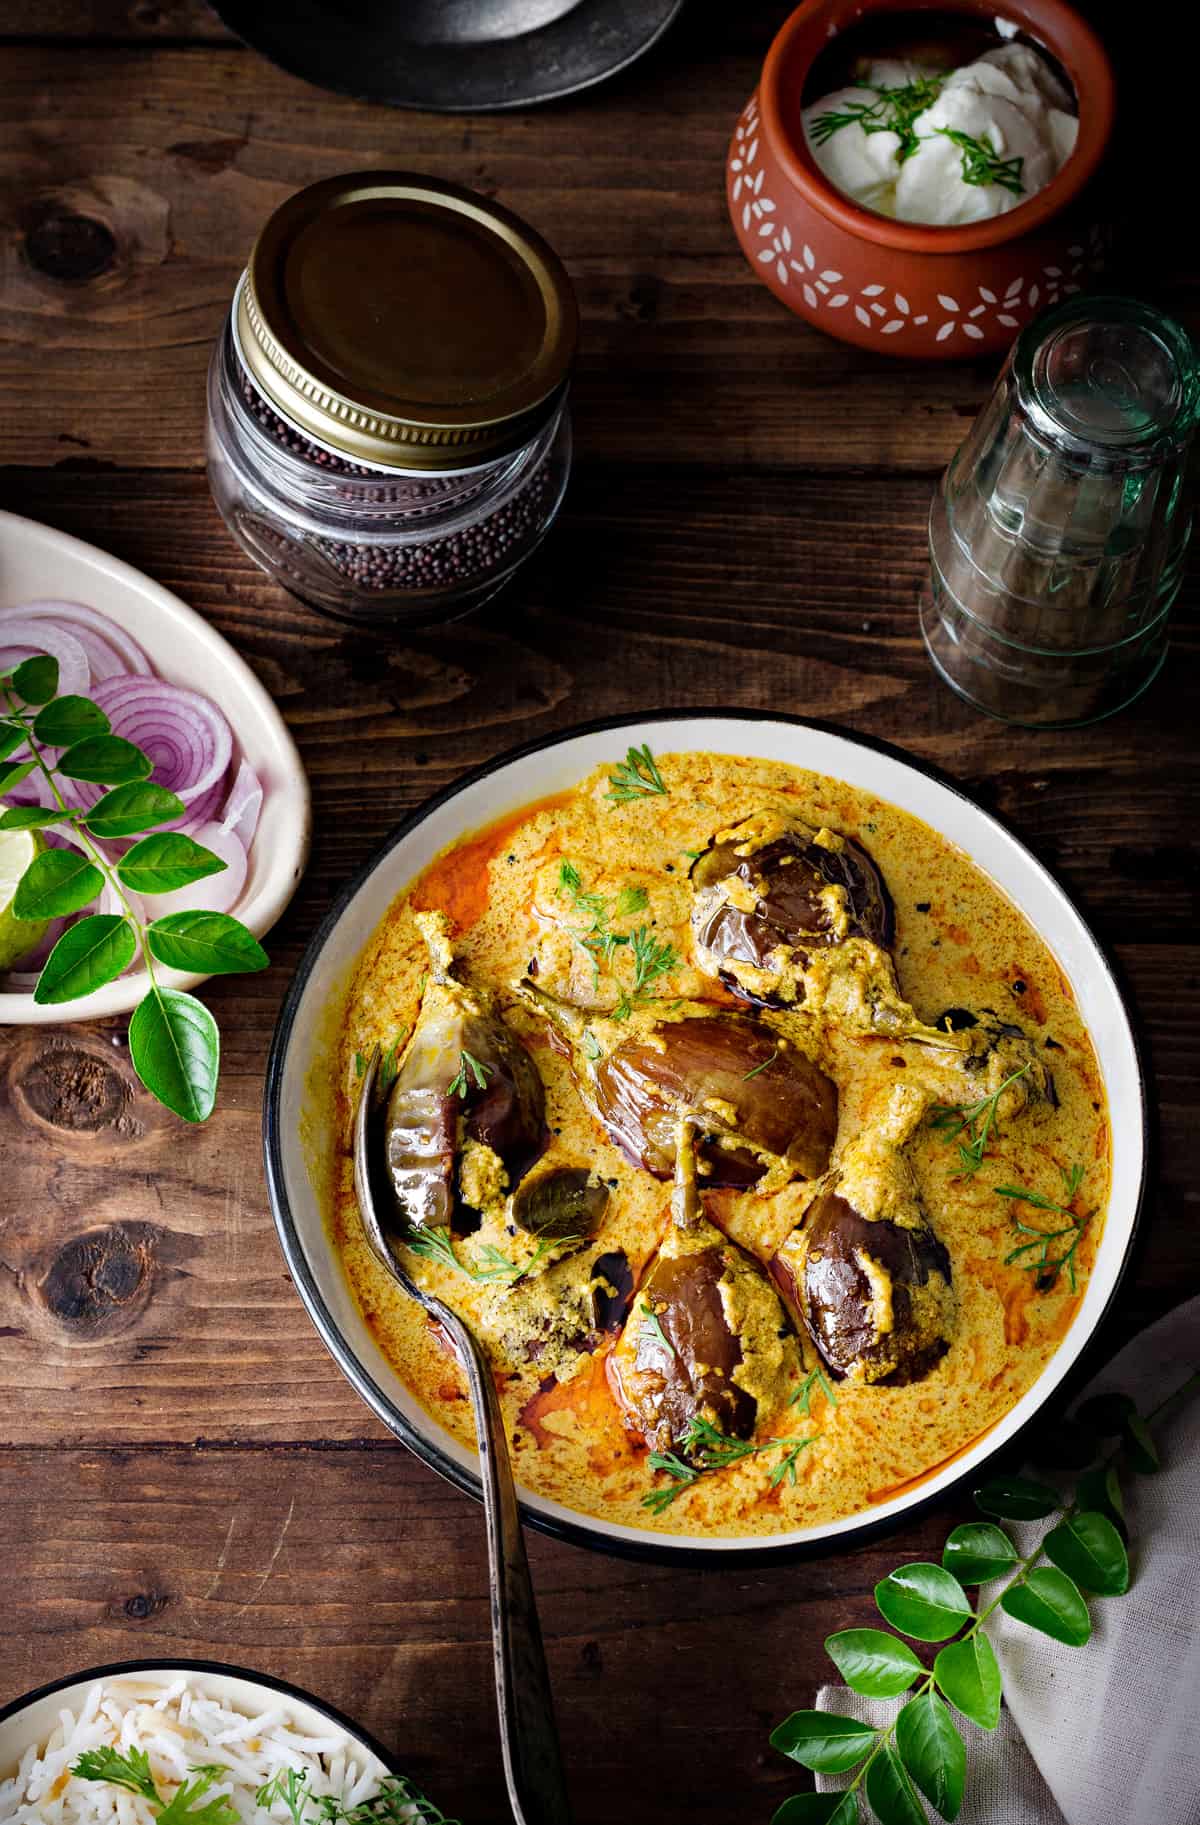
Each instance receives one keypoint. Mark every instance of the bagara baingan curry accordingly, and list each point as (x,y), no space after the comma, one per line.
(752,1128)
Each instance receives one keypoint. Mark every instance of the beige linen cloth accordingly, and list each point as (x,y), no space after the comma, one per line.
(1107,1734)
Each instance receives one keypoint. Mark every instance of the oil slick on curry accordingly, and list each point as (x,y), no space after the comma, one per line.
(714,1091)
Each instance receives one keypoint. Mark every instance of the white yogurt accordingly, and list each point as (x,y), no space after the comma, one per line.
(1010,115)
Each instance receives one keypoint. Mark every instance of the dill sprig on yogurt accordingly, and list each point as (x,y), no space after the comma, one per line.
(893,111)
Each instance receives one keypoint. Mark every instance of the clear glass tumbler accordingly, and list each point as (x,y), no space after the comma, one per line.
(1059,533)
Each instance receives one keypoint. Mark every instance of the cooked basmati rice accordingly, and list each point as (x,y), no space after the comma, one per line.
(181,1726)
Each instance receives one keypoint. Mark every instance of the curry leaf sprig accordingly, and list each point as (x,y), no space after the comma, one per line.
(637,776)
(921,1749)
(173,1040)
(975,1120)
(1039,1256)
(708,1448)
(398,1802)
(493,1265)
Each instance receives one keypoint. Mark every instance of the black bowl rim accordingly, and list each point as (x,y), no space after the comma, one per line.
(446,98)
(128,1669)
(652,1549)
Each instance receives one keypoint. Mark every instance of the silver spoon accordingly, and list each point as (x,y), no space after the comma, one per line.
(533,1769)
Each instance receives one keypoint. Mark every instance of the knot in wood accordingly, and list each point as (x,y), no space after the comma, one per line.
(100,1282)
(144,1604)
(69,247)
(75,1090)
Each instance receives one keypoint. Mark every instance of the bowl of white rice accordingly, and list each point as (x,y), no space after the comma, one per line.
(135,1743)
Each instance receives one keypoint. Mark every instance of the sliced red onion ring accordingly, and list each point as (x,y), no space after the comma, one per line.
(89,627)
(20,636)
(216,892)
(201,810)
(240,813)
(186,736)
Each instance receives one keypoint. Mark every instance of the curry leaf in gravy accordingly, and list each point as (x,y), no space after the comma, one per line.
(637,776)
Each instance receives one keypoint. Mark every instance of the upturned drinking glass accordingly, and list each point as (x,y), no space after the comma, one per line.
(1059,533)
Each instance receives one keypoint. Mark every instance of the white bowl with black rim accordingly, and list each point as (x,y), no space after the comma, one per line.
(37,562)
(294,1136)
(28,1722)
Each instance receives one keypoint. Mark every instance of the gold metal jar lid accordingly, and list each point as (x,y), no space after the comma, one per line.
(406,322)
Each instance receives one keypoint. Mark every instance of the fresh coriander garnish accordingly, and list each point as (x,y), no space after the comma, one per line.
(470,1071)
(438,1245)
(637,776)
(174,1045)
(360,1064)
(652,1327)
(1045,1262)
(393,1805)
(766,1061)
(708,1449)
(591,1045)
(816,1378)
(975,1120)
(132,1771)
(981,164)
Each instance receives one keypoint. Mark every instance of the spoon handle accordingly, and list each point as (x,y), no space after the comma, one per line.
(533,1769)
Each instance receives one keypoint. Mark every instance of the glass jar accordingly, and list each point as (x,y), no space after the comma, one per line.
(1058,536)
(388,433)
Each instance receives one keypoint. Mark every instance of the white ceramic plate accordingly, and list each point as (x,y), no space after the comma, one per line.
(38,563)
(552,766)
(30,1720)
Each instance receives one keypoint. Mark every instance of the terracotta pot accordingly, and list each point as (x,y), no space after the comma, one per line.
(901,287)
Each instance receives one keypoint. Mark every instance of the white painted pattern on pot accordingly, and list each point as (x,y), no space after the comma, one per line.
(823,288)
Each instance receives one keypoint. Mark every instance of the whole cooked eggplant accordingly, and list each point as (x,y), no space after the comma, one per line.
(465,1117)
(772,891)
(866,1273)
(707,1339)
(763,1107)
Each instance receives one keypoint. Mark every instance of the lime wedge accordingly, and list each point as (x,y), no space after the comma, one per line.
(17,936)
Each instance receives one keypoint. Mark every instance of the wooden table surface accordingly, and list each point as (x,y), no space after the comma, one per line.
(185,1471)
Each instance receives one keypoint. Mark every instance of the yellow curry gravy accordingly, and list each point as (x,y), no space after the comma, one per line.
(959,942)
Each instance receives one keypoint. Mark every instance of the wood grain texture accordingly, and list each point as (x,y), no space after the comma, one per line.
(182,1467)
